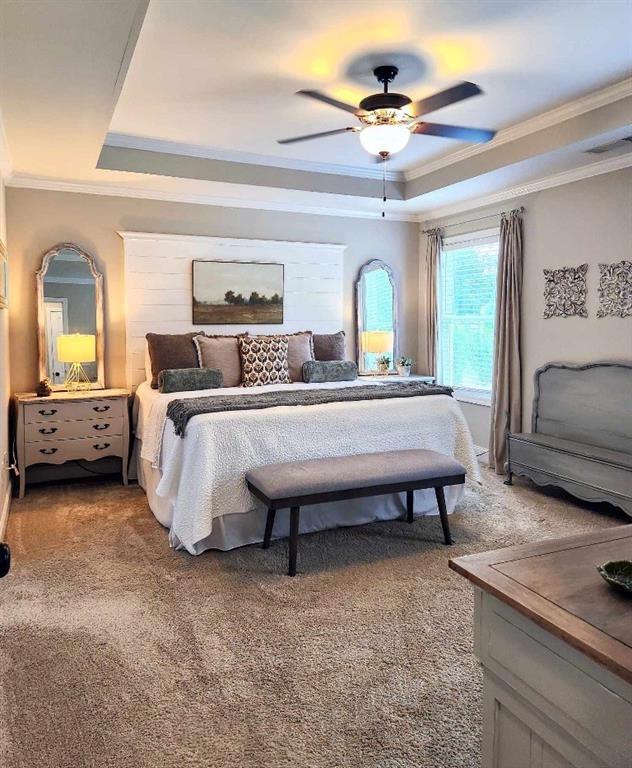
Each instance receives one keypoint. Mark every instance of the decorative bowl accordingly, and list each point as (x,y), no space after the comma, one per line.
(618,573)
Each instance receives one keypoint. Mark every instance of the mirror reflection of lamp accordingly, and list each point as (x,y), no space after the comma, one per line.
(377,342)
(76,348)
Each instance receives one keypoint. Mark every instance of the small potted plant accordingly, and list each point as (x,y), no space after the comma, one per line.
(403,365)
(384,363)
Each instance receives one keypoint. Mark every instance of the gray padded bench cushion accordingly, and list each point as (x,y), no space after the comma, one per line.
(340,473)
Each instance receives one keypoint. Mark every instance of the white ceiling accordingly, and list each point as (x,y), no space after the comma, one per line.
(216,78)
(223,74)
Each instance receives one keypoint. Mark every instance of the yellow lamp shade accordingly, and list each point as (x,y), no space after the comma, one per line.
(76,348)
(379,342)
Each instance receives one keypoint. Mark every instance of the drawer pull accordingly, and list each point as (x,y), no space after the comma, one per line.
(99,427)
(48,430)
(100,408)
(101,446)
(49,412)
(48,451)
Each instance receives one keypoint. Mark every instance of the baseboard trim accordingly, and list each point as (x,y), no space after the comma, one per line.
(5,505)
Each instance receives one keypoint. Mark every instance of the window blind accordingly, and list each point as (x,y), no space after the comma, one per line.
(466,294)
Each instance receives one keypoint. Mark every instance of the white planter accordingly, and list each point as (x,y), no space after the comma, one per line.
(403,370)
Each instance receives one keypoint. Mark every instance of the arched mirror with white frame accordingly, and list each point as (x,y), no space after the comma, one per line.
(70,318)
(377,332)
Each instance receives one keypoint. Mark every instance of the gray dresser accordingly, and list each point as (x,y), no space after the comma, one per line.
(71,426)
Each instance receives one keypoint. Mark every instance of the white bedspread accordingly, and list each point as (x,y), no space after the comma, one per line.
(204,472)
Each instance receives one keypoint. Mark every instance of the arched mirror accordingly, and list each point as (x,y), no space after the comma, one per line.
(70,319)
(376,301)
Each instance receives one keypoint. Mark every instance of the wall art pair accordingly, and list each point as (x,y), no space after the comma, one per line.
(565,291)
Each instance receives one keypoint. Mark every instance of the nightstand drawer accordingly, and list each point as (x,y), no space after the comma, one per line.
(106,408)
(59,451)
(71,430)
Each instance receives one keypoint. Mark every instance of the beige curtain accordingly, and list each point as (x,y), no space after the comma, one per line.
(506,405)
(428,318)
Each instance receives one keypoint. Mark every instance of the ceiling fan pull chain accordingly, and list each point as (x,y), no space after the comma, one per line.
(384,159)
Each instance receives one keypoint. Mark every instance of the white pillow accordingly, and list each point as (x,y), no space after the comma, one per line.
(148,373)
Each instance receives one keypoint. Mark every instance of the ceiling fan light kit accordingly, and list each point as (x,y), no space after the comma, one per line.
(384,139)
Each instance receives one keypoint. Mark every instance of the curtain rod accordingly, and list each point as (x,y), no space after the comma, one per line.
(471,221)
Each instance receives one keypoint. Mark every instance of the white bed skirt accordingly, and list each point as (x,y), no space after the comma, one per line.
(238,530)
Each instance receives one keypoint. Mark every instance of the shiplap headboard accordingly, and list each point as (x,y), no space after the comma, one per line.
(158,286)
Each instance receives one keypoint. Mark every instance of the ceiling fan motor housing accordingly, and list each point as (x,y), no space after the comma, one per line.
(384,101)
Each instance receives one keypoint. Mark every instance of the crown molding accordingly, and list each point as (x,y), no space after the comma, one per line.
(127,141)
(537,185)
(96,188)
(547,182)
(547,119)
(247,242)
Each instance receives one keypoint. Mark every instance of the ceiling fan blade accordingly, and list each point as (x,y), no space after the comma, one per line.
(458,92)
(332,102)
(478,135)
(320,135)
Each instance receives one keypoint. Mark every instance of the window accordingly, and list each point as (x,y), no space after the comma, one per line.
(466,295)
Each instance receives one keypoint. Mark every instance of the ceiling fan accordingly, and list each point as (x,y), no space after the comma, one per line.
(389,119)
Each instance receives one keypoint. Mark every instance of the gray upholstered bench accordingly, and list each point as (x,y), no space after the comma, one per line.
(295,484)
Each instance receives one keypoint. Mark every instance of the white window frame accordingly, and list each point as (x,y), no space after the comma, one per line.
(455,242)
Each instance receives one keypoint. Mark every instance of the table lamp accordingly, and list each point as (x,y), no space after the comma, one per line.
(76,348)
(377,342)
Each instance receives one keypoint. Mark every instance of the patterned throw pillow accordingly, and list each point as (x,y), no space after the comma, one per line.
(264,360)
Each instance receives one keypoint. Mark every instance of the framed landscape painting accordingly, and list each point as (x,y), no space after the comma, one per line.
(237,292)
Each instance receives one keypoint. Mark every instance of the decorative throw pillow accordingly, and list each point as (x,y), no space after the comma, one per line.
(221,352)
(169,351)
(320,371)
(189,379)
(300,349)
(565,292)
(329,346)
(264,360)
(615,289)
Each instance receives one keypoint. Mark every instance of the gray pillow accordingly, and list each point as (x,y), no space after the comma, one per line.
(320,371)
(221,353)
(329,346)
(189,379)
(169,351)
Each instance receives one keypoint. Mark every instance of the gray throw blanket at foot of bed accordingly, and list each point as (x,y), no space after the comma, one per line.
(180,411)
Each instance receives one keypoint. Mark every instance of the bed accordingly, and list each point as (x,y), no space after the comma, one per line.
(196,485)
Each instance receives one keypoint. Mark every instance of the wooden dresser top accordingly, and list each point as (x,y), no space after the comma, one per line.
(555,583)
(59,397)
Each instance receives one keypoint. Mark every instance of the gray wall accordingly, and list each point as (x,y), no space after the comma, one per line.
(40,219)
(588,221)
(4,362)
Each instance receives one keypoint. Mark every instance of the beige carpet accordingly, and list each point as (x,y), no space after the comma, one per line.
(116,651)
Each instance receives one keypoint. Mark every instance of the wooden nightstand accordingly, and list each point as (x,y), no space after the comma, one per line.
(70,426)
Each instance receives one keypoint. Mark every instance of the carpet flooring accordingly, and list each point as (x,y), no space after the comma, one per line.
(116,651)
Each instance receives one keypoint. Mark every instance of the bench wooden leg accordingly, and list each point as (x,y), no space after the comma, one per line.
(269,524)
(294,519)
(409,505)
(443,514)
